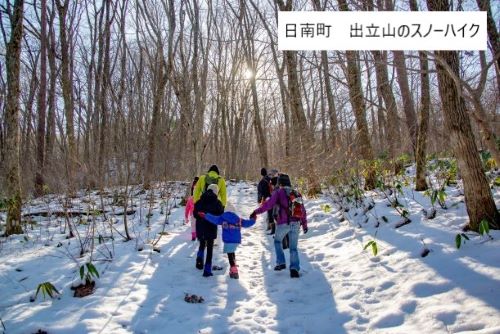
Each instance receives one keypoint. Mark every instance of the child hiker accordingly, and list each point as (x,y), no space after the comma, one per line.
(205,231)
(188,212)
(231,234)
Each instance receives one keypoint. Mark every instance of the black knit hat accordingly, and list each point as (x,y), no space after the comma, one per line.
(214,168)
(284,180)
(263,171)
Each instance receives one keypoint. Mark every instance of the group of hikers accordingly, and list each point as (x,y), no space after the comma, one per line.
(205,210)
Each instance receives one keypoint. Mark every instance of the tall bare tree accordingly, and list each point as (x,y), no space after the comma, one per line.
(494,39)
(402,78)
(425,104)
(67,89)
(332,112)
(478,198)
(359,108)
(42,101)
(13,63)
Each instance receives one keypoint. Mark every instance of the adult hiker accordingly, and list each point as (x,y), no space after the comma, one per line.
(292,215)
(206,232)
(264,192)
(212,177)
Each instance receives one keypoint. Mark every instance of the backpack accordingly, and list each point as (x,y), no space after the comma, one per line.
(295,205)
(210,180)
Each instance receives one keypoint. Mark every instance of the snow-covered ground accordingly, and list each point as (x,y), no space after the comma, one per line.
(342,288)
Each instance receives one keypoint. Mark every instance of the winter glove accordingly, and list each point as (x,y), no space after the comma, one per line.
(201,214)
(253,215)
(305,229)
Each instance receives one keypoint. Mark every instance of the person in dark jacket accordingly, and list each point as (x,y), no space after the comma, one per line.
(263,193)
(205,231)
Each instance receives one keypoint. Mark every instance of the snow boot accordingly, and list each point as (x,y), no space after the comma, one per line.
(207,272)
(199,260)
(294,273)
(280,267)
(233,272)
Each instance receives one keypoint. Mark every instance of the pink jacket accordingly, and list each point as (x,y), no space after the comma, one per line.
(189,208)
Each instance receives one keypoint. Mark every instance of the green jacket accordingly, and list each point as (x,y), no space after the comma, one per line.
(200,186)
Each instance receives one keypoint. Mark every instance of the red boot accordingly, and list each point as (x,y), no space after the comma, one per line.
(233,272)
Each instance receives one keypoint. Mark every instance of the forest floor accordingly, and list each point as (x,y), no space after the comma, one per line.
(342,289)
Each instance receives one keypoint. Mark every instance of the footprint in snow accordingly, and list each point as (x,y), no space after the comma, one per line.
(386,285)
(344,234)
(369,290)
(409,307)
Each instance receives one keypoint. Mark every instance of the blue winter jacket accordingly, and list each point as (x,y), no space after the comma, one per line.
(231,225)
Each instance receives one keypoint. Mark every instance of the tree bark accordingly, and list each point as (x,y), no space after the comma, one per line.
(67,89)
(359,108)
(103,124)
(13,63)
(51,98)
(285,103)
(42,103)
(425,105)
(402,78)
(478,198)
(384,87)
(408,106)
(493,37)
(332,112)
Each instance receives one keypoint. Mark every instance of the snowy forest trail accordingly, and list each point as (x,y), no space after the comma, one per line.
(342,288)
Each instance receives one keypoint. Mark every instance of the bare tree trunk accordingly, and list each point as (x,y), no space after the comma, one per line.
(384,87)
(199,85)
(104,93)
(480,115)
(298,118)
(67,90)
(402,78)
(478,198)
(425,104)
(42,103)
(51,98)
(13,63)
(332,113)
(493,37)
(408,105)
(162,73)
(28,120)
(285,102)
(382,126)
(161,81)
(261,138)
(359,108)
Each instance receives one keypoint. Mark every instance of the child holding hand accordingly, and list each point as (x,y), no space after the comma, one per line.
(231,234)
